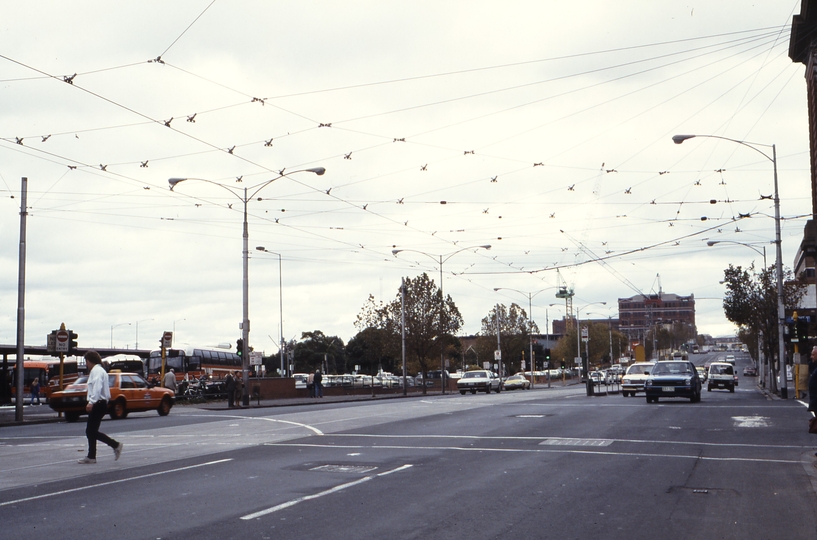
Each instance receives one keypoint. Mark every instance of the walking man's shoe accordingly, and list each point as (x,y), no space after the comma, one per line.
(86,460)
(118,451)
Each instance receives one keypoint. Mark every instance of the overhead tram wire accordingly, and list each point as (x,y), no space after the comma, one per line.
(188,28)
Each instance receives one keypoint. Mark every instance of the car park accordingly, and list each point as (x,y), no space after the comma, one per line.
(479,379)
(130,392)
(633,380)
(517,381)
(721,375)
(673,378)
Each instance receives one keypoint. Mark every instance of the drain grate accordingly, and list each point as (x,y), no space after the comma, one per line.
(358,469)
(576,442)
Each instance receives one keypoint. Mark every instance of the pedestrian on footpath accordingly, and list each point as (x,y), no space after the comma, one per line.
(99,393)
(170,380)
(318,386)
(310,384)
(229,386)
(35,391)
(239,389)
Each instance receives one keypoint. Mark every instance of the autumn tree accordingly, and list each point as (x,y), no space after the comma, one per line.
(751,303)
(431,321)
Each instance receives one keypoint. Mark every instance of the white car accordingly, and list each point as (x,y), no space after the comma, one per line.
(730,358)
(633,380)
(479,379)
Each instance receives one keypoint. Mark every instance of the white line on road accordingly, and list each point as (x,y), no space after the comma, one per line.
(335,489)
(306,426)
(112,482)
(534,451)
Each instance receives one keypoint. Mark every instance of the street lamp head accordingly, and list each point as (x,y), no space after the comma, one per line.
(678,139)
(711,243)
(174,181)
(317,170)
(396,251)
(486,246)
(260,248)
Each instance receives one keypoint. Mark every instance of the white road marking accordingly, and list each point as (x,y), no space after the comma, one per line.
(335,489)
(265,418)
(534,451)
(751,421)
(112,482)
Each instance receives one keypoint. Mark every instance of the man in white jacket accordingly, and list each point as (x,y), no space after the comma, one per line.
(99,393)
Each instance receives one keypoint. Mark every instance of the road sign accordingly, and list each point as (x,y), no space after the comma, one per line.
(52,342)
(62,341)
(167,340)
(255,358)
(497,355)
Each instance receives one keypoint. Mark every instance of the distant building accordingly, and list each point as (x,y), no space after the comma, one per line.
(639,313)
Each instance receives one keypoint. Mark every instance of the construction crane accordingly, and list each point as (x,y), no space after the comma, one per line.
(566,293)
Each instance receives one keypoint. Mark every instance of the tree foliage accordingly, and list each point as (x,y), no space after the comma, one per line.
(319,351)
(514,336)
(431,322)
(751,303)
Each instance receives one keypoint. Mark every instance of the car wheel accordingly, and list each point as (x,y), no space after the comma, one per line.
(71,416)
(473,390)
(164,407)
(498,389)
(462,392)
(118,410)
(708,388)
(488,389)
(732,389)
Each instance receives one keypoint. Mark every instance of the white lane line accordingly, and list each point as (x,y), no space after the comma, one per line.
(112,482)
(298,424)
(535,451)
(500,438)
(335,489)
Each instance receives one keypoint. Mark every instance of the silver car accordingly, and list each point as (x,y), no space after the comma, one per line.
(633,380)
(479,379)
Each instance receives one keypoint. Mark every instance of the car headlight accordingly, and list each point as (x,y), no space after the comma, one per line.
(648,383)
(688,381)
(625,380)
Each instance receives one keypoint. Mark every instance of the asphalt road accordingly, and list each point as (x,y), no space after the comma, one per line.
(546,463)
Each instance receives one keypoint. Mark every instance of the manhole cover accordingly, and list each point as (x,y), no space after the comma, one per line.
(359,469)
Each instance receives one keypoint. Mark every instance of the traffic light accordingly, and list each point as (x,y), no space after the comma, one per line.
(547,355)
(72,341)
(239,346)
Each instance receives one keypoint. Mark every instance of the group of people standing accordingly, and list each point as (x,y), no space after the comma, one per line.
(234,385)
(313,383)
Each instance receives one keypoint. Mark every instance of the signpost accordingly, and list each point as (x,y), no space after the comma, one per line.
(62,340)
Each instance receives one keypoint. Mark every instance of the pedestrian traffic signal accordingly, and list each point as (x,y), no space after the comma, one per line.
(72,341)
(239,346)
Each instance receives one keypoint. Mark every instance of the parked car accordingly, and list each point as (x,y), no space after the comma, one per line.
(517,381)
(672,378)
(633,380)
(130,392)
(749,371)
(479,379)
(721,375)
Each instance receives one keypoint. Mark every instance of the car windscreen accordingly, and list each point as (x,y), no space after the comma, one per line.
(671,368)
(474,375)
(638,370)
(720,370)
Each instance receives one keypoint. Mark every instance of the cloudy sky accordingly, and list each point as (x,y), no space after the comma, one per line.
(542,129)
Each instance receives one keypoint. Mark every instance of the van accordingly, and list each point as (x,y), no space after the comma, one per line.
(721,375)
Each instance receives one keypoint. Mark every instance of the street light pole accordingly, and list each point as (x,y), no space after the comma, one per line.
(440,260)
(245,289)
(585,367)
(750,246)
(282,349)
(781,309)
(137,331)
(114,326)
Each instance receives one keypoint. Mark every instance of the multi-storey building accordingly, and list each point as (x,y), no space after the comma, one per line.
(638,314)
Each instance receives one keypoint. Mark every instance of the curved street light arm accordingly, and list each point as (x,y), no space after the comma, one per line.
(678,139)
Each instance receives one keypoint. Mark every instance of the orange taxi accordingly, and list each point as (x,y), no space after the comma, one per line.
(130,392)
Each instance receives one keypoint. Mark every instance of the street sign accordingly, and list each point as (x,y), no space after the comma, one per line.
(523,365)
(62,341)
(167,340)
(51,347)
(497,355)
(255,358)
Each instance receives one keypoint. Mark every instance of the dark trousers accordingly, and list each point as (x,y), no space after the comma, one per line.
(92,429)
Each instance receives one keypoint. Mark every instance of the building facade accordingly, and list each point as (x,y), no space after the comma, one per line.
(641,313)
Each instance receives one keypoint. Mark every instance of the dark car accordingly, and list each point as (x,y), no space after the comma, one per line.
(673,378)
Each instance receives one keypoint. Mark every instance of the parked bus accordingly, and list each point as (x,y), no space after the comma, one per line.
(48,373)
(194,362)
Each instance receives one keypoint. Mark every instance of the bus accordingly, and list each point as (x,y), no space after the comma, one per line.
(48,373)
(127,363)
(194,362)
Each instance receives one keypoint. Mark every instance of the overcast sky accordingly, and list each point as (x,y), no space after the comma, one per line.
(541,128)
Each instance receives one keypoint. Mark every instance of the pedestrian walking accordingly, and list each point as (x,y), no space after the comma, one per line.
(229,387)
(310,384)
(318,386)
(170,380)
(99,393)
(35,391)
